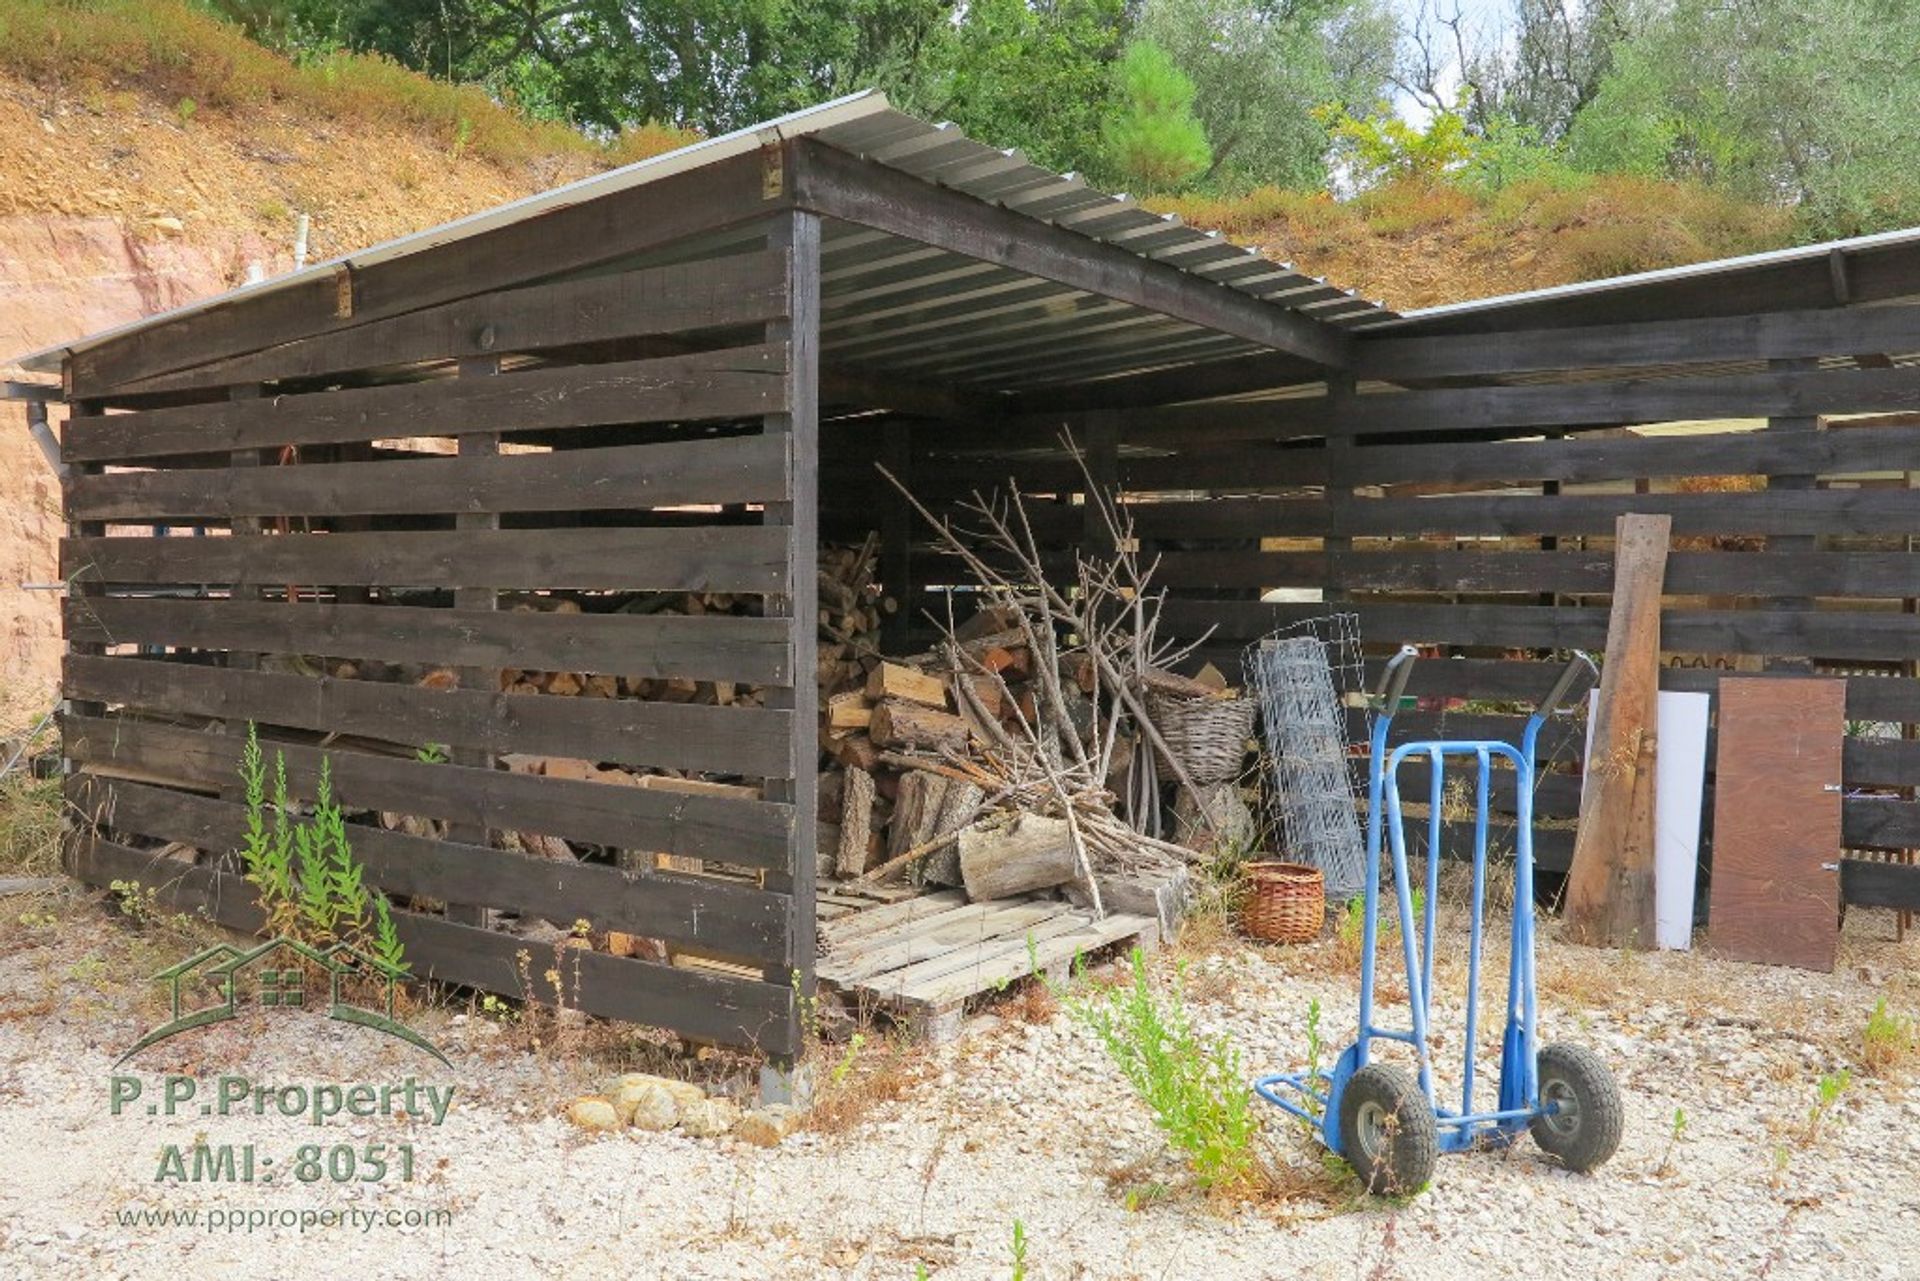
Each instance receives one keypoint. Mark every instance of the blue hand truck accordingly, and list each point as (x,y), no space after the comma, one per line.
(1384,1121)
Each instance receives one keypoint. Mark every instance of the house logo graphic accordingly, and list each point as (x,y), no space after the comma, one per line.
(277,973)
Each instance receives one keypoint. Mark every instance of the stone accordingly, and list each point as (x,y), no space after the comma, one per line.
(709,1118)
(591,1112)
(648,1107)
(765,1127)
(684,1093)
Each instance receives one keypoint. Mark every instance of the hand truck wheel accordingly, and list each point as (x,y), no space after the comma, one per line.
(1387,1131)
(1581,1113)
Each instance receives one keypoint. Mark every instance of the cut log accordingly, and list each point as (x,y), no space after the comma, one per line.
(856,751)
(956,811)
(1001,859)
(1610,894)
(856,823)
(901,724)
(849,711)
(892,680)
(916,810)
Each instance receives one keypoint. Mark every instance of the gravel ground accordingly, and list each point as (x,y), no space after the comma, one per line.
(1024,1120)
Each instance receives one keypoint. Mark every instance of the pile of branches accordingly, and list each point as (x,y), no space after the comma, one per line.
(1083,747)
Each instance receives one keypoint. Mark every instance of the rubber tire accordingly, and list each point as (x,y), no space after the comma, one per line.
(1403,1164)
(1577,1074)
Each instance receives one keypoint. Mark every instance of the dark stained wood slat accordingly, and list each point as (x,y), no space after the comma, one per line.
(1774,394)
(1424,569)
(712,293)
(748,832)
(725,916)
(1779,335)
(571,236)
(741,1012)
(734,383)
(735,469)
(1876,883)
(732,740)
(720,559)
(1831,634)
(1819,511)
(750,650)
(1621,456)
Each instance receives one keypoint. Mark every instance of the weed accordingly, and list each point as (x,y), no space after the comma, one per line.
(1194,1085)
(873,1071)
(1888,1042)
(432,754)
(30,825)
(183,111)
(138,904)
(1314,1049)
(1019,1272)
(497,1009)
(1827,1092)
(1674,1137)
(302,868)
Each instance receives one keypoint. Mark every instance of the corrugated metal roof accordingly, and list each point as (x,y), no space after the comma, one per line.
(897,305)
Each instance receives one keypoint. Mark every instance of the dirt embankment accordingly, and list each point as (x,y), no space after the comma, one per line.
(115,206)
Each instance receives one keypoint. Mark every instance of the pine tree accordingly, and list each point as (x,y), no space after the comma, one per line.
(1154,140)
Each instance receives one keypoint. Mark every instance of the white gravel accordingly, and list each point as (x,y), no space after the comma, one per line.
(1019,1122)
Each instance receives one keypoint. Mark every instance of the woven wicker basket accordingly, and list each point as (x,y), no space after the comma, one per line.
(1208,736)
(1285,903)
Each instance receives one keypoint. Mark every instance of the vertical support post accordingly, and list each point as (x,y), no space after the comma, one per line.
(244,587)
(896,537)
(1339,490)
(1795,425)
(483,444)
(799,233)
(79,591)
(245,527)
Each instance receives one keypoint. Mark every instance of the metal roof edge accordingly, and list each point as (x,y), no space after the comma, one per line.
(1610,284)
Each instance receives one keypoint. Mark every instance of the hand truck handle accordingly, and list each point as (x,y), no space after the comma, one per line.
(1580,675)
(1393,681)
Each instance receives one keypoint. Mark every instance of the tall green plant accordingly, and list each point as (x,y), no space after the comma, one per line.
(309,884)
(1193,1084)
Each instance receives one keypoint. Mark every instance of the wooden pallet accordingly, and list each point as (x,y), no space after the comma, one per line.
(921,961)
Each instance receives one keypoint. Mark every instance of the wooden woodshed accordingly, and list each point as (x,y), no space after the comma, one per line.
(678,376)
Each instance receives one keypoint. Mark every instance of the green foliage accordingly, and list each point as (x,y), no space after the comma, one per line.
(1888,1041)
(302,868)
(1810,103)
(1153,140)
(1262,70)
(1193,1084)
(1037,76)
(1382,147)
(1826,1095)
(1019,1272)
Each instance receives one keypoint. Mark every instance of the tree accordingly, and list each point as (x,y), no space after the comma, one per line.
(1153,139)
(1810,104)
(1262,68)
(1033,74)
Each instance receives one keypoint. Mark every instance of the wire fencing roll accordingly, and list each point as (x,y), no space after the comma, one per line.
(1304,725)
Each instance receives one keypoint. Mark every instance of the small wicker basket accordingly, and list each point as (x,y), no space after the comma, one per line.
(1285,903)
(1208,736)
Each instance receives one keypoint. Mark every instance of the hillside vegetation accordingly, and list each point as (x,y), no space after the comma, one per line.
(156,112)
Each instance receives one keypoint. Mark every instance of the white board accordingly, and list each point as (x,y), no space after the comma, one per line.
(1679,780)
